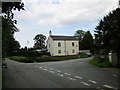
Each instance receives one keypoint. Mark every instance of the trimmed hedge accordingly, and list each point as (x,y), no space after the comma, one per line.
(30,53)
(41,59)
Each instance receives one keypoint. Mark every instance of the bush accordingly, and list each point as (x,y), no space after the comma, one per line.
(41,59)
(30,53)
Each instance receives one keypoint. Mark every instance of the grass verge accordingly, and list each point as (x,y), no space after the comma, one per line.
(100,63)
(42,59)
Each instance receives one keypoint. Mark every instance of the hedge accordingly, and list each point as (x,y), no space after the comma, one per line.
(30,53)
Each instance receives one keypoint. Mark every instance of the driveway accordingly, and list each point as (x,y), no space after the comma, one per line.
(77,73)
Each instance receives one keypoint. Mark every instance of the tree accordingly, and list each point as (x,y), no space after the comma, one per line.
(79,34)
(107,33)
(87,42)
(9,44)
(39,41)
(8,7)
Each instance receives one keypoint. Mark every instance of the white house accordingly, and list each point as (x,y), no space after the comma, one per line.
(62,45)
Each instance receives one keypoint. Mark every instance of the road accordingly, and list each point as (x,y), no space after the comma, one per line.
(77,73)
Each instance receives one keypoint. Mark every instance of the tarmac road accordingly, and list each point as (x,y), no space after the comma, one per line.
(77,73)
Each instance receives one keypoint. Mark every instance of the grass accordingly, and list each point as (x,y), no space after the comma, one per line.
(100,63)
(22,59)
(44,59)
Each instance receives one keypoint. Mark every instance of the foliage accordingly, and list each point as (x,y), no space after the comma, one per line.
(29,53)
(41,59)
(8,7)
(79,34)
(107,33)
(101,62)
(39,41)
(87,42)
(9,44)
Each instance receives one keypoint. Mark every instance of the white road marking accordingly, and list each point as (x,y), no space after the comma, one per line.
(71,78)
(114,75)
(40,67)
(45,69)
(85,83)
(58,71)
(78,77)
(60,75)
(52,71)
(67,73)
(108,86)
(92,81)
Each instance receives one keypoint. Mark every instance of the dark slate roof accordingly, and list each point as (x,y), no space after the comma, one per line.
(63,37)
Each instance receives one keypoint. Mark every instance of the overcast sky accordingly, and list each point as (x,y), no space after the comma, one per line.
(62,17)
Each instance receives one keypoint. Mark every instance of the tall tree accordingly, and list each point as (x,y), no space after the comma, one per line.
(9,44)
(107,32)
(79,34)
(87,42)
(39,41)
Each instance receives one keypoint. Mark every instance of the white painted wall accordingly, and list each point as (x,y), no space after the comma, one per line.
(66,47)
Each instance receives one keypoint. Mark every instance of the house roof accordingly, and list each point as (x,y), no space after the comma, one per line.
(54,37)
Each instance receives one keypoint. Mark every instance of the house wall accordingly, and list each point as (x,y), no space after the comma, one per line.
(66,47)
(50,46)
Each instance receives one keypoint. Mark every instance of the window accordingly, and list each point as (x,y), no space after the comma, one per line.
(59,51)
(73,51)
(73,44)
(59,44)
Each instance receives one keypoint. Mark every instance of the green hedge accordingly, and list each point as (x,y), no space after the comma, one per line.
(30,53)
(41,59)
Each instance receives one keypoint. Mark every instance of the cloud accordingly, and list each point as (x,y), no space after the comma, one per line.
(65,12)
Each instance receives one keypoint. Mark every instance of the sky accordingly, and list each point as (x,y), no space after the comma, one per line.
(62,17)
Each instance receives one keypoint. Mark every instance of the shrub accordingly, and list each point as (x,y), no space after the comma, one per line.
(30,53)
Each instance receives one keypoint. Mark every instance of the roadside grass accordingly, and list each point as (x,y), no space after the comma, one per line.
(44,59)
(97,61)
(21,59)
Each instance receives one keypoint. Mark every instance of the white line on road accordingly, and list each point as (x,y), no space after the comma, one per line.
(58,71)
(60,75)
(108,86)
(78,77)
(71,78)
(85,83)
(40,67)
(92,81)
(45,69)
(114,75)
(67,74)
(52,71)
